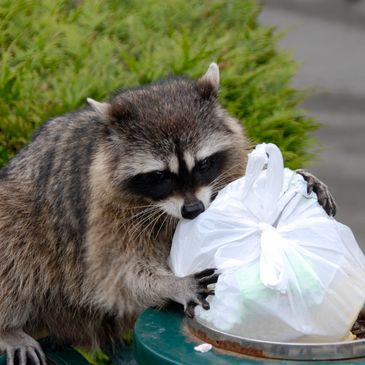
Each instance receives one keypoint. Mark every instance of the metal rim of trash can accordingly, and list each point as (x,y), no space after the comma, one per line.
(278,350)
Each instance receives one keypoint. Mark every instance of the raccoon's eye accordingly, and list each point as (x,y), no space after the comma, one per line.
(206,170)
(204,165)
(154,184)
(158,176)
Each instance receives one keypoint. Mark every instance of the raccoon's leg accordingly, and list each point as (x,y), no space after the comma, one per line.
(153,288)
(130,275)
(198,286)
(325,198)
(21,348)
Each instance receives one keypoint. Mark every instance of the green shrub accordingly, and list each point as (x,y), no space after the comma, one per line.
(54,54)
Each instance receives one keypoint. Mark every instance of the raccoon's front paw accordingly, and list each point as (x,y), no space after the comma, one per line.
(21,349)
(325,198)
(195,290)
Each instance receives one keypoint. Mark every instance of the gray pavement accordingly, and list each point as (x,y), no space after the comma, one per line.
(327,38)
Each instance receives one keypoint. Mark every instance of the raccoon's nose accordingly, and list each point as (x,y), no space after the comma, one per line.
(192,210)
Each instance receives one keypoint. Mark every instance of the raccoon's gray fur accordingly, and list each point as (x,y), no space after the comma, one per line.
(88,208)
(83,251)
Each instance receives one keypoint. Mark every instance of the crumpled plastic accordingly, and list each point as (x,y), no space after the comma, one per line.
(289,272)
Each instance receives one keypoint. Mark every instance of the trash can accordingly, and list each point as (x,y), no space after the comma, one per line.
(161,338)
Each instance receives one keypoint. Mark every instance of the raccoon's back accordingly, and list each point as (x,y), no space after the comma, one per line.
(47,184)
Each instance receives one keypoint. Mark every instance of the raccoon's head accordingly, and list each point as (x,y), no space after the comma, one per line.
(173,145)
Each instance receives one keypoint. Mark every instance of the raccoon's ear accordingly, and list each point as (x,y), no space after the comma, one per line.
(103,109)
(121,110)
(208,84)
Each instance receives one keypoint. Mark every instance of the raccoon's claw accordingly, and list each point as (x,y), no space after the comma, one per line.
(24,355)
(204,273)
(200,299)
(189,310)
(206,277)
(199,291)
(325,198)
(21,349)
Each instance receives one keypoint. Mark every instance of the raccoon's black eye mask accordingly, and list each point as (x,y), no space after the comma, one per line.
(155,185)
(206,170)
(159,185)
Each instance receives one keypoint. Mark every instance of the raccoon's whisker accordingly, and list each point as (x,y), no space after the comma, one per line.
(222,178)
(161,225)
(148,229)
(141,213)
(219,188)
(233,167)
(219,185)
(134,222)
(169,224)
(145,220)
(225,173)
(157,220)
(139,206)
(139,224)
(228,171)
(145,211)
(152,223)
(172,225)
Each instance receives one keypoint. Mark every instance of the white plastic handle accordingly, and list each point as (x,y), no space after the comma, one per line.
(270,155)
(257,160)
(274,180)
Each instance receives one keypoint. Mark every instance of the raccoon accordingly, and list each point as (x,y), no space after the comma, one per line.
(88,209)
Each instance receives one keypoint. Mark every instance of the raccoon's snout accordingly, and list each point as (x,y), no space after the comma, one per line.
(192,210)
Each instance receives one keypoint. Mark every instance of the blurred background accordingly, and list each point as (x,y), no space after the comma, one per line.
(327,38)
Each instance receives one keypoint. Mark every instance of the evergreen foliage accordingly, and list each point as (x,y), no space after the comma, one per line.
(54,54)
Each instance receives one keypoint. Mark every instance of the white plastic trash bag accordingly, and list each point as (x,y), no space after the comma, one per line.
(289,271)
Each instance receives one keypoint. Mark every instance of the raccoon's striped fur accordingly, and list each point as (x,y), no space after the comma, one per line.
(88,208)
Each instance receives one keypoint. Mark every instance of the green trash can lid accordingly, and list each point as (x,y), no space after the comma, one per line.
(160,338)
